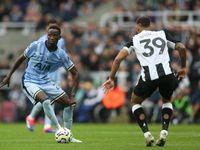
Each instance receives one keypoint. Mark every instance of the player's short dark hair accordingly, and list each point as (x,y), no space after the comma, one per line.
(55,27)
(51,21)
(143,21)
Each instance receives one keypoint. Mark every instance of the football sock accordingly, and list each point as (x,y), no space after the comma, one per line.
(166,115)
(68,117)
(35,110)
(50,113)
(140,117)
(47,121)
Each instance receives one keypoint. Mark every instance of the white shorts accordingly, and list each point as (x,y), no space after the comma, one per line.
(52,90)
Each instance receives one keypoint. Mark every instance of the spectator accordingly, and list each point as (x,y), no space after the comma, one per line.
(195,70)
(94,62)
(190,42)
(120,42)
(8,4)
(71,8)
(2,12)
(16,15)
(195,101)
(115,99)
(22,4)
(184,34)
(182,109)
(32,11)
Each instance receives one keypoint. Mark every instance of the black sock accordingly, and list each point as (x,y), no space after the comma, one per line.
(141,119)
(166,115)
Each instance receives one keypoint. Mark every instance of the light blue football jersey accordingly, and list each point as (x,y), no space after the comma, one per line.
(55,76)
(41,62)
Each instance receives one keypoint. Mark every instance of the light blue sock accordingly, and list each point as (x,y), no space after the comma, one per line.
(50,113)
(47,121)
(36,109)
(68,117)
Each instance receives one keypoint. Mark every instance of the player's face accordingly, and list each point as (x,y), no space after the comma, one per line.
(53,36)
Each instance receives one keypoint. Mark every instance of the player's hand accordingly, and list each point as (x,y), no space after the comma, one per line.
(182,73)
(5,81)
(72,102)
(108,85)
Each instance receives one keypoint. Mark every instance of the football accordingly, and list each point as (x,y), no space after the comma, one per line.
(63,135)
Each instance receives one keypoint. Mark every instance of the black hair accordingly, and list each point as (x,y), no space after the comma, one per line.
(55,27)
(51,21)
(143,21)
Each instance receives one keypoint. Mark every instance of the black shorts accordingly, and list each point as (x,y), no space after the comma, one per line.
(165,85)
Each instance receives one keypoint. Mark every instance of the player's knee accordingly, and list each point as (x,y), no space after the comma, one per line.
(136,100)
(165,100)
(46,102)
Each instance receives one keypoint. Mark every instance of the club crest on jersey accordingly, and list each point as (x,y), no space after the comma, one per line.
(42,67)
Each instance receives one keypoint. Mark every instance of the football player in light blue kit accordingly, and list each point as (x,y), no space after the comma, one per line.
(45,57)
(55,77)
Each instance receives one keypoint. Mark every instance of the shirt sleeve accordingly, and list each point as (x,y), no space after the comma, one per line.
(67,63)
(129,46)
(170,40)
(30,50)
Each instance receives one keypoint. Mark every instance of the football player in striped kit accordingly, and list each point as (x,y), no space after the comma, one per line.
(151,49)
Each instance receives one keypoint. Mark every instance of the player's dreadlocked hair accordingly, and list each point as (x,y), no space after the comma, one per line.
(143,21)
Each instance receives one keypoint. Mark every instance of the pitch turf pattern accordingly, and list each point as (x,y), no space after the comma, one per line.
(98,137)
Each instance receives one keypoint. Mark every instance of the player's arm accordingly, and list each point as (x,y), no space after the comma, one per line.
(12,70)
(121,56)
(109,84)
(182,73)
(174,44)
(182,52)
(76,77)
(126,50)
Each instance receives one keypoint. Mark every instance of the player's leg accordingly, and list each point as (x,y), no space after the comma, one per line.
(47,123)
(67,114)
(143,90)
(30,119)
(166,89)
(46,103)
(140,117)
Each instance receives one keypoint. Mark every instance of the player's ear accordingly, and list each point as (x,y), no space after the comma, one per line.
(150,27)
(47,27)
(137,29)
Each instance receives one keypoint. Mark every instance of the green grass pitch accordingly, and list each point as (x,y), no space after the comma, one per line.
(15,136)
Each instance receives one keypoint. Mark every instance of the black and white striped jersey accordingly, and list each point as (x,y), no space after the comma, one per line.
(151,48)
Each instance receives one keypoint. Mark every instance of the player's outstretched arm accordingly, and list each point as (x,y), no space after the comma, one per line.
(6,80)
(182,73)
(76,76)
(109,84)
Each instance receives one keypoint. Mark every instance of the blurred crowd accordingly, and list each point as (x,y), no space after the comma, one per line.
(93,49)
(35,10)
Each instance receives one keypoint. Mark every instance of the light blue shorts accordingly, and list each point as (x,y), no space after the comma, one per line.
(51,89)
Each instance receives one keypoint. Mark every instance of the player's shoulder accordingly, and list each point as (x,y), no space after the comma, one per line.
(44,37)
(60,50)
(62,39)
(38,42)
